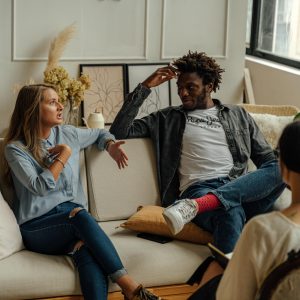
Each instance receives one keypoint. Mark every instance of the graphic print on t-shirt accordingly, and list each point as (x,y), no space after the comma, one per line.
(204,122)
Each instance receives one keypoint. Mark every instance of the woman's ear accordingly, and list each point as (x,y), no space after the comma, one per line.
(285,173)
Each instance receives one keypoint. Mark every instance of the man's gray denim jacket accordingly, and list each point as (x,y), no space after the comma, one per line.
(166,126)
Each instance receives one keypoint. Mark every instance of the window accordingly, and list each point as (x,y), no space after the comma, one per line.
(249,22)
(273,30)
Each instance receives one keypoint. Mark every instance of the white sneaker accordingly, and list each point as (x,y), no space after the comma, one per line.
(180,213)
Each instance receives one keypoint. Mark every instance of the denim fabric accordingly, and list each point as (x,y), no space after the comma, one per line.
(242,198)
(165,128)
(57,233)
(93,280)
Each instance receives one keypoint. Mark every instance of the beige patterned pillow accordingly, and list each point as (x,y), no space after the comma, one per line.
(149,219)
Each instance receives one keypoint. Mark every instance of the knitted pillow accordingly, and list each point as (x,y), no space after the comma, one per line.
(271,127)
(149,219)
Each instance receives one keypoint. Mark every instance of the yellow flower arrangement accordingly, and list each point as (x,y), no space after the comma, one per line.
(69,89)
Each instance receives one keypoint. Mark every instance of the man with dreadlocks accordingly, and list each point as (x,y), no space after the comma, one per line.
(202,150)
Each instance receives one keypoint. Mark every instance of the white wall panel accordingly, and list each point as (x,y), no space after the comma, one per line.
(122,31)
(106,29)
(195,24)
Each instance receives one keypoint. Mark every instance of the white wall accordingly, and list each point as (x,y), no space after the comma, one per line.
(274,83)
(119,31)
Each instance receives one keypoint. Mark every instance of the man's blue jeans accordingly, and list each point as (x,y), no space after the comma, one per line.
(57,233)
(241,198)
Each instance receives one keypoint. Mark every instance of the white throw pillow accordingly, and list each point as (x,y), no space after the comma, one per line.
(271,127)
(10,235)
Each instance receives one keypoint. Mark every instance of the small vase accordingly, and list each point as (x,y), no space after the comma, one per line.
(71,114)
(95,120)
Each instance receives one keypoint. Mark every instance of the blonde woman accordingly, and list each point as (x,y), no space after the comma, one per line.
(42,159)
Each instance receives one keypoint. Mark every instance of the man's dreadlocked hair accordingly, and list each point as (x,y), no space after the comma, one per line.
(206,67)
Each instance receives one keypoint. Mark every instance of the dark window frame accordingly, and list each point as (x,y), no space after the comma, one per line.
(253,49)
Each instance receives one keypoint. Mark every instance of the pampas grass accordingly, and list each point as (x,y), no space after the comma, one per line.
(70,90)
(17,86)
(58,46)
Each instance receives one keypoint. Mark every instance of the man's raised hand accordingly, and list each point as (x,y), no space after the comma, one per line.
(160,76)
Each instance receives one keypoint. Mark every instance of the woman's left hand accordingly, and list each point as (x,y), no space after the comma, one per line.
(118,154)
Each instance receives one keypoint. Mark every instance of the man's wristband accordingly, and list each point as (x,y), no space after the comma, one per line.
(59,160)
(108,142)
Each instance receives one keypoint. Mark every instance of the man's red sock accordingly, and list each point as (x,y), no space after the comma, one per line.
(207,203)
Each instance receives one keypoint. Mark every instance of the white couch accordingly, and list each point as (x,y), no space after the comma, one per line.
(113,196)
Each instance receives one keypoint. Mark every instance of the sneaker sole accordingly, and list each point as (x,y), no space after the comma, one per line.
(171,222)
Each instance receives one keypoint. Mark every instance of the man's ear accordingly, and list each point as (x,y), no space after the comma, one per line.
(209,88)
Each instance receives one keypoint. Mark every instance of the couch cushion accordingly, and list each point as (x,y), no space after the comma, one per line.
(115,194)
(155,264)
(10,235)
(150,219)
(27,275)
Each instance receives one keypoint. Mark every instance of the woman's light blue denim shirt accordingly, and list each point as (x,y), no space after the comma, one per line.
(36,190)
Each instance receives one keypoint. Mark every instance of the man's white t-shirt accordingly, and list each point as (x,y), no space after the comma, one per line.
(205,153)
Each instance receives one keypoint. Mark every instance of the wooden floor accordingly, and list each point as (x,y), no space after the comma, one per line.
(171,292)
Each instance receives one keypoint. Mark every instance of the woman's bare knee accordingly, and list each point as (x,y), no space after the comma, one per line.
(78,245)
(75,211)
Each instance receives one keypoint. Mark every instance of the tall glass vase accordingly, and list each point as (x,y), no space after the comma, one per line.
(71,114)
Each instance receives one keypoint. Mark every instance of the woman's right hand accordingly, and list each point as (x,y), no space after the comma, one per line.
(61,150)
(61,154)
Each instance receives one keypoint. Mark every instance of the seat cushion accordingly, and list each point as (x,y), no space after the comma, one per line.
(153,264)
(28,275)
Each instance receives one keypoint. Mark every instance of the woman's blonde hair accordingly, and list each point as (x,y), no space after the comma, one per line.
(25,122)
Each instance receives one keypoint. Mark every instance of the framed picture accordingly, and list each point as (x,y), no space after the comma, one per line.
(160,96)
(107,90)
